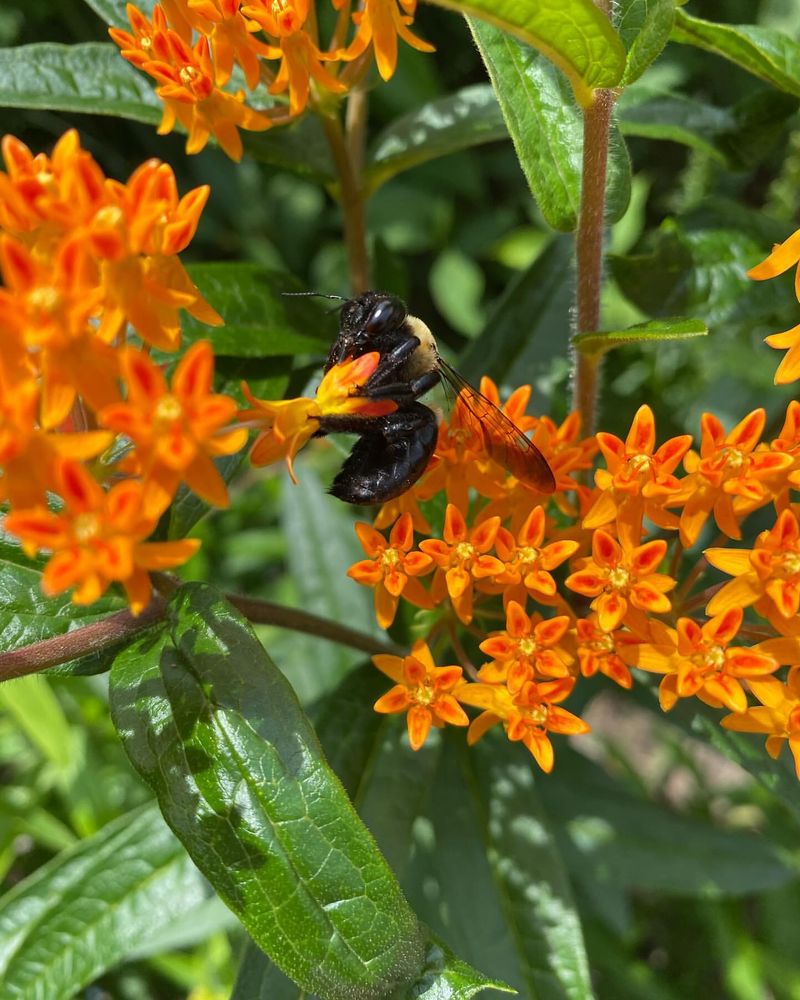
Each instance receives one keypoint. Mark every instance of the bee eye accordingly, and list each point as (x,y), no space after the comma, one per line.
(387,314)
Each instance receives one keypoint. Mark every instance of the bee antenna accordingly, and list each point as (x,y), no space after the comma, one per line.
(321,295)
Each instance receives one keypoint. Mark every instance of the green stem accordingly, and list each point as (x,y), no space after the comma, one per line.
(351,192)
(589,248)
(122,627)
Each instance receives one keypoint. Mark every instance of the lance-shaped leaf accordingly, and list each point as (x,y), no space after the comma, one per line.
(546,127)
(764,52)
(467,118)
(644,27)
(91,77)
(575,35)
(655,114)
(91,906)
(653,331)
(214,727)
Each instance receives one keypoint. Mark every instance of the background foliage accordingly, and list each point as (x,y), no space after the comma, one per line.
(680,867)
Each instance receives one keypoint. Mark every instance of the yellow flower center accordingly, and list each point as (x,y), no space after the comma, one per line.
(45,178)
(619,578)
(389,559)
(790,563)
(640,463)
(187,75)
(85,528)
(464,551)
(111,215)
(734,459)
(603,644)
(536,716)
(527,645)
(423,694)
(167,411)
(712,659)
(526,557)
(45,299)
(145,43)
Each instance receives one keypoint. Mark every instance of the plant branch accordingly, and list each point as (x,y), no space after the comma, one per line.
(589,247)
(122,626)
(351,191)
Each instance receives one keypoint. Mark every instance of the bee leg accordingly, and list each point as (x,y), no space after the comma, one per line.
(390,361)
(389,457)
(402,390)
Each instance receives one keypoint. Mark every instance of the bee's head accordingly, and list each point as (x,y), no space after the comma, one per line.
(366,318)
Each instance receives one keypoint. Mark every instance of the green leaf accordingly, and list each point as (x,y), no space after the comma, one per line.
(678,328)
(529,873)
(702,272)
(546,127)
(529,325)
(113,11)
(644,27)
(27,616)
(260,321)
(300,147)
(764,52)
(86,910)
(654,114)
(574,34)
(613,838)
(35,709)
(91,77)
(214,727)
(459,121)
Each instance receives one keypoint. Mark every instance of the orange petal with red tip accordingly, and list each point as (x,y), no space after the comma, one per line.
(611,610)
(554,554)
(532,531)
(518,624)
(390,665)
(550,631)
(80,491)
(727,690)
(455,527)
(395,700)
(747,663)
(195,372)
(394,582)
(418,722)
(63,571)
(416,563)
(647,558)
(165,555)
(145,381)
(668,692)
(722,628)
(612,447)
(641,438)
(784,596)
(559,720)
(541,748)
(745,435)
(605,549)
(540,582)
(647,598)
(449,711)
(385,606)
(586,582)
(499,647)
(372,541)
(484,535)
(402,534)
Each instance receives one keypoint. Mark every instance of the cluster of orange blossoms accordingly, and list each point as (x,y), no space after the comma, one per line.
(85,413)
(584,589)
(194,48)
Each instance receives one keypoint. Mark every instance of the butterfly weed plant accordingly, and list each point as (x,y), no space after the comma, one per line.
(557,748)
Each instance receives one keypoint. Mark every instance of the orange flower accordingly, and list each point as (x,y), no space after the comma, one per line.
(789,368)
(527,716)
(619,574)
(778,716)
(528,649)
(697,661)
(288,424)
(783,256)
(727,477)
(176,430)
(47,307)
(527,563)
(597,651)
(97,539)
(187,85)
(391,568)
(381,22)
(462,559)
(423,690)
(771,568)
(301,59)
(637,481)
(231,36)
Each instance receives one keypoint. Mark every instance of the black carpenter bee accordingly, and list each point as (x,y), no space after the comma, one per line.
(393,450)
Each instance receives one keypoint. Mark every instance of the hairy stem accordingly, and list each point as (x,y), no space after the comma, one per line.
(351,192)
(121,627)
(589,243)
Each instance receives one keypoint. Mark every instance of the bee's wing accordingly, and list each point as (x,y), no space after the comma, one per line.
(503,440)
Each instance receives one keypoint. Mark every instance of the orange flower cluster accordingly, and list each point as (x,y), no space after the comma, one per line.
(784,255)
(85,414)
(589,577)
(194,48)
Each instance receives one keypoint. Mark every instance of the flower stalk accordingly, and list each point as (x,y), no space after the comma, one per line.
(351,195)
